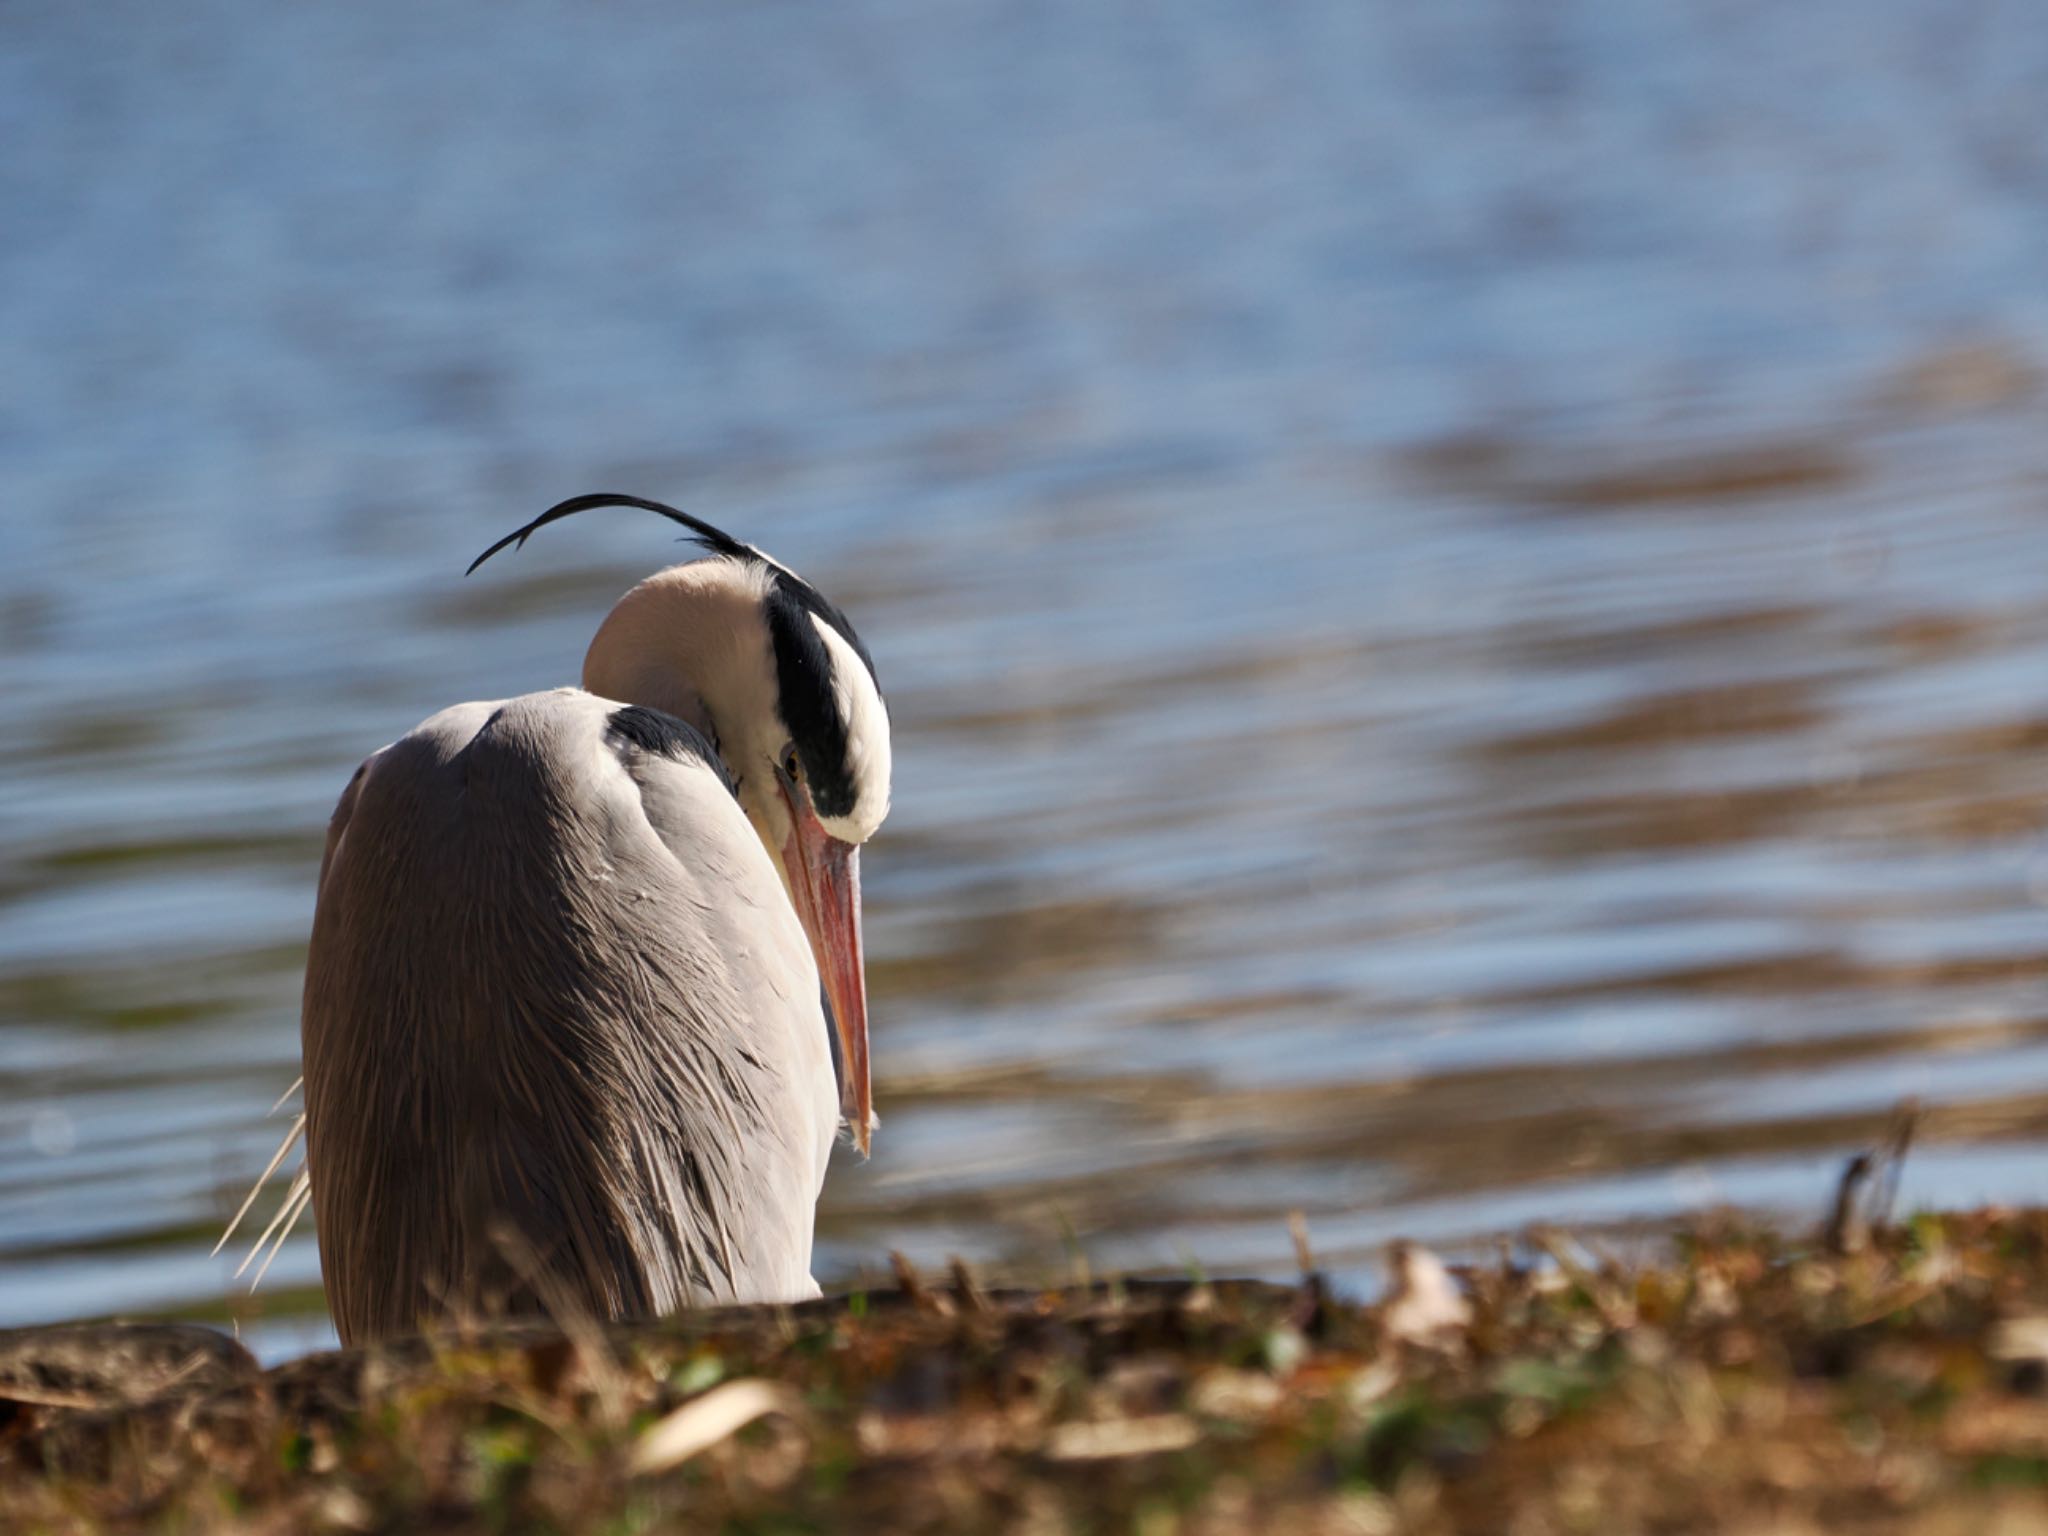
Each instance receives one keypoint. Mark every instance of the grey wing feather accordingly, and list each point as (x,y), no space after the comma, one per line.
(561,1028)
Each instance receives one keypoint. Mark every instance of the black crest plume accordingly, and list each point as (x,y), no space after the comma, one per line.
(791,587)
(717,540)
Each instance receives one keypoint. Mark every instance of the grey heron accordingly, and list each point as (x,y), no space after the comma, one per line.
(563,1034)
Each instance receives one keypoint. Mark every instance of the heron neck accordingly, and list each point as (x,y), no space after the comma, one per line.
(690,642)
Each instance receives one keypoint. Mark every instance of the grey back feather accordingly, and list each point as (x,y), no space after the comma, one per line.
(561,1028)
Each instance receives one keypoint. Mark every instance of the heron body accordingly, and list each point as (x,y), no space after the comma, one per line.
(563,1032)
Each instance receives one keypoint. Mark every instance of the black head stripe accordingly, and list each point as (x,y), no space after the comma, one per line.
(810,712)
(811,600)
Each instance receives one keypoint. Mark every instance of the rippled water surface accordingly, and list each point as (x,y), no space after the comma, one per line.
(1464,589)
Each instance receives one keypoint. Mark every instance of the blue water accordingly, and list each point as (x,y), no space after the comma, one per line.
(1462,588)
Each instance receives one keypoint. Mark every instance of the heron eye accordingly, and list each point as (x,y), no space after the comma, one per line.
(790,763)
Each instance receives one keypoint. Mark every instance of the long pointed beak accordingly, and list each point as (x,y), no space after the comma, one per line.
(824,874)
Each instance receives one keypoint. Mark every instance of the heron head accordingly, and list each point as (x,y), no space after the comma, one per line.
(756,658)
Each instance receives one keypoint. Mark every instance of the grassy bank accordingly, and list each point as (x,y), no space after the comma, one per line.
(1743,1382)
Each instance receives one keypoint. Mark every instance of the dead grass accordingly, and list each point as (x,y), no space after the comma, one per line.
(1744,1382)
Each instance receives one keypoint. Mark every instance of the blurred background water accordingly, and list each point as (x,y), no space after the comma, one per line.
(1463,587)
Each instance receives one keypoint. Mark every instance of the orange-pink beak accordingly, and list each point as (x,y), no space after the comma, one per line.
(824,876)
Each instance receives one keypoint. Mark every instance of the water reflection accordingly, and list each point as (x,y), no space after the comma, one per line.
(1430,690)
